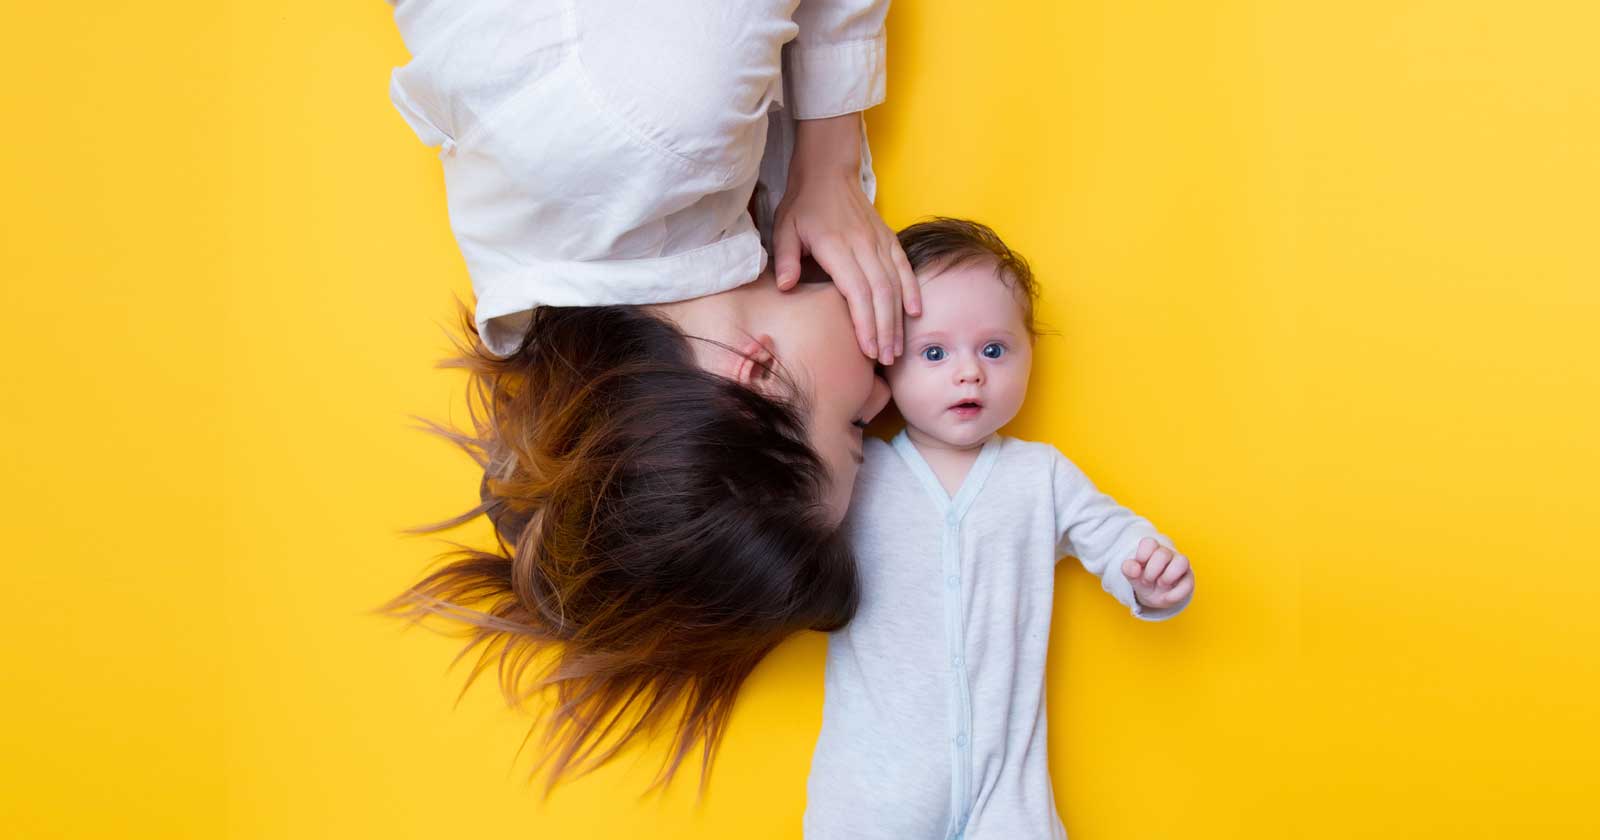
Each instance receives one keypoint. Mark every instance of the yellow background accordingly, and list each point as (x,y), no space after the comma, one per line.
(1325,278)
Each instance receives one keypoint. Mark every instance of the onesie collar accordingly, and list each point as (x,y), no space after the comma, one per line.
(953,509)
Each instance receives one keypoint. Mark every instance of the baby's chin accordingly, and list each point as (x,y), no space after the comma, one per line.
(957,436)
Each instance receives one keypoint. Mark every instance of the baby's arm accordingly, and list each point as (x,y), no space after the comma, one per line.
(1104,536)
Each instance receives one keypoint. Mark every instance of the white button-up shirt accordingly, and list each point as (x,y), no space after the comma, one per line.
(605,152)
(933,721)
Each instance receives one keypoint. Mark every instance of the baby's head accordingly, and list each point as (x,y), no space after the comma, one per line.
(967,358)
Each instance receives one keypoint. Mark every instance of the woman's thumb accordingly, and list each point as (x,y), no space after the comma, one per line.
(786,256)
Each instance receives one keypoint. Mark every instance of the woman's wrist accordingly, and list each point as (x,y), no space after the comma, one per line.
(827,145)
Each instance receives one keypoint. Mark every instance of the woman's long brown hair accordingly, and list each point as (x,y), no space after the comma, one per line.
(660,530)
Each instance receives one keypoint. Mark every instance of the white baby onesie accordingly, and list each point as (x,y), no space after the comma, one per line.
(933,724)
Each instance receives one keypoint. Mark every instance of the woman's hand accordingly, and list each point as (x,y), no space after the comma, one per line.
(1161,578)
(824,213)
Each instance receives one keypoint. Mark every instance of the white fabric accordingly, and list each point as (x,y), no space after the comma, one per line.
(933,721)
(605,152)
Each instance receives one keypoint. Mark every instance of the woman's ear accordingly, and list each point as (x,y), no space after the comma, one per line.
(753,367)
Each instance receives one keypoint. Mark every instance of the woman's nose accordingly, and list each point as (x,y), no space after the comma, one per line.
(877,399)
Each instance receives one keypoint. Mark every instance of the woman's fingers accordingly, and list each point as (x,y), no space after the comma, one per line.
(864,260)
(897,286)
(910,289)
(786,254)
(885,300)
(840,264)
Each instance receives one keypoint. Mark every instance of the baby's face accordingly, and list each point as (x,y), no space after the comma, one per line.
(967,358)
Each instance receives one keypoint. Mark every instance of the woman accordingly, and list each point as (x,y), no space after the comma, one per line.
(669,431)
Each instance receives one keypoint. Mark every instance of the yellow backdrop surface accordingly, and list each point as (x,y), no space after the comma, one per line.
(1326,285)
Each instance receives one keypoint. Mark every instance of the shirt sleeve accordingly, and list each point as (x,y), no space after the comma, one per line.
(836,64)
(1092,527)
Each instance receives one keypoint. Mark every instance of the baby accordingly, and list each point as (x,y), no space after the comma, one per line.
(933,725)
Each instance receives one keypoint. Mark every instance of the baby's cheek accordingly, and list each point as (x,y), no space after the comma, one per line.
(910,395)
(1017,384)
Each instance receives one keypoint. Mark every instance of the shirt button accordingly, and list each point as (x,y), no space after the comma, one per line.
(951,581)
(956,661)
(961,740)
(950,519)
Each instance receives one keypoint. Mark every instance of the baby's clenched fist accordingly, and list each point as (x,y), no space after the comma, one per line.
(1160,576)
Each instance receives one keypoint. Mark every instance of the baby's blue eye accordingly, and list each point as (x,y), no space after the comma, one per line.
(994,350)
(933,353)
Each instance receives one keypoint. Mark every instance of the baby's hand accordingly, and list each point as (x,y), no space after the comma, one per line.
(1160,577)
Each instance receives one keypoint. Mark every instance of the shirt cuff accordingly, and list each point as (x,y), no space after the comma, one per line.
(828,80)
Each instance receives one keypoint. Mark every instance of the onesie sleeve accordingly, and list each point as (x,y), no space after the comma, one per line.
(1092,527)
(836,64)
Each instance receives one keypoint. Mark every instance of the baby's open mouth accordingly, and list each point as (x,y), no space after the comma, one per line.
(967,408)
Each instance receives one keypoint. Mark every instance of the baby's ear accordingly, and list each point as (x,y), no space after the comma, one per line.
(753,364)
